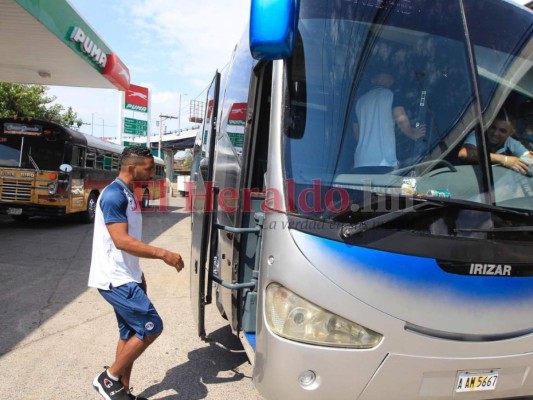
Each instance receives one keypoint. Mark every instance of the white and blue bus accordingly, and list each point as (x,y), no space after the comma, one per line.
(413,281)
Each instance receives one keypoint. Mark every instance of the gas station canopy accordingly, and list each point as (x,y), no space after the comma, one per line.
(46,42)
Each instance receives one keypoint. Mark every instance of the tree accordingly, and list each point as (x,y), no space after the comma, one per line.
(31,101)
(187,161)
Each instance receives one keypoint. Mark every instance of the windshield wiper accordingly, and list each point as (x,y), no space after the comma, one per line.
(348,231)
(33,161)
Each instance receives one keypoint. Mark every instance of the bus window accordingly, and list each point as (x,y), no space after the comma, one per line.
(76,159)
(37,156)
(90,158)
(10,151)
(259,145)
(115,162)
(99,160)
(107,161)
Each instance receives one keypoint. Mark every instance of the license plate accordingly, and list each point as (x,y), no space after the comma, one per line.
(476,381)
(14,211)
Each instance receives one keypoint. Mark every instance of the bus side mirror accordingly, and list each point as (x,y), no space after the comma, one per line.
(273,25)
(66,168)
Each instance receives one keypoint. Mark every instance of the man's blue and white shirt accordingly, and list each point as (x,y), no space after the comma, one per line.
(109,265)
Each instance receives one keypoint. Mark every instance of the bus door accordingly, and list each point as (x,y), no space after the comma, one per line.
(255,159)
(202,208)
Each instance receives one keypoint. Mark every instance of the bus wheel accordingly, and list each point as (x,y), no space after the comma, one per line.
(145,201)
(87,216)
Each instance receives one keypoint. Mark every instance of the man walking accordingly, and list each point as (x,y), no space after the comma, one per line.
(116,273)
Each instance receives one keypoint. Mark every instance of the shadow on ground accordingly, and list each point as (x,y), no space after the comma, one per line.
(44,266)
(215,364)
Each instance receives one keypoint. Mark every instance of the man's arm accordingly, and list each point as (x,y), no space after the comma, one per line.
(469,153)
(402,120)
(123,241)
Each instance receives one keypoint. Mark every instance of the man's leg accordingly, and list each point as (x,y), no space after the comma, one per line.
(127,352)
(126,376)
(139,326)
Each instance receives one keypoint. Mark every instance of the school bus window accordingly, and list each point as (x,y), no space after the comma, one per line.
(91,157)
(99,161)
(81,156)
(107,161)
(115,163)
(76,156)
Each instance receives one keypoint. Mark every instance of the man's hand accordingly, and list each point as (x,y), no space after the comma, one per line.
(418,132)
(173,259)
(516,164)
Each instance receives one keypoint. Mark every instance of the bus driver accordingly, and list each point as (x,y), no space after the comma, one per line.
(504,150)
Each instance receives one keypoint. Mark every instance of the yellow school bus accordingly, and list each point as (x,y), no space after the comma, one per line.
(50,170)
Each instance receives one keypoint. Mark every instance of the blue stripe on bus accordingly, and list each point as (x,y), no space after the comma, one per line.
(416,273)
(250,337)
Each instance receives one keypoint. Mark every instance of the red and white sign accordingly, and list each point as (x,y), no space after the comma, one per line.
(210,105)
(116,72)
(137,98)
(237,115)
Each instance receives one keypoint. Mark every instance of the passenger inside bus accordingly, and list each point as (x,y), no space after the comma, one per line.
(504,150)
(377,112)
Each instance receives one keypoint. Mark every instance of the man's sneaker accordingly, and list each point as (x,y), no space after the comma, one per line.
(109,388)
(133,397)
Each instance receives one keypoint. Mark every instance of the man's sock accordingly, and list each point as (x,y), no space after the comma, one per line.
(112,376)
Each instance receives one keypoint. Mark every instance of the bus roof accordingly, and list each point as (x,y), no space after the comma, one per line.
(74,136)
(101,144)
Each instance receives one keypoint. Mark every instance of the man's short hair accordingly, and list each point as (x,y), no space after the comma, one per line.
(135,154)
(503,115)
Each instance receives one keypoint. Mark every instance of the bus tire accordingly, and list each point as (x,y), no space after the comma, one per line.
(145,200)
(87,217)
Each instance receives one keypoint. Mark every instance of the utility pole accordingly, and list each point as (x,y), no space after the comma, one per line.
(161,119)
(179,114)
(92,123)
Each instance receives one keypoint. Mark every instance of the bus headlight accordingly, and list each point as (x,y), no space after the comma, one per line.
(292,317)
(52,188)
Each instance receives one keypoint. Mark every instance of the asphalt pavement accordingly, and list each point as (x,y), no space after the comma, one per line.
(56,334)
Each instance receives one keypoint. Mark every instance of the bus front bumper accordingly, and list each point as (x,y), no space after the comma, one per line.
(348,375)
(31,210)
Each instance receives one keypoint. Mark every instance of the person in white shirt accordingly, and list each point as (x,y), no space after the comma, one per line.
(377,112)
(116,273)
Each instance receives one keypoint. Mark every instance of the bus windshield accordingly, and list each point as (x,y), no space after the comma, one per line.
(383,97)
(29,147)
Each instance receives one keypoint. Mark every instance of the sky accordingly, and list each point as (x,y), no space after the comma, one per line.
(173,47)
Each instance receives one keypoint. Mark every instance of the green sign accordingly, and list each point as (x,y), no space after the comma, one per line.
(135,126)
(237,139)
(128,144)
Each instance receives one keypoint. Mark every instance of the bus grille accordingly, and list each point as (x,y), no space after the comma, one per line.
(15,190)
